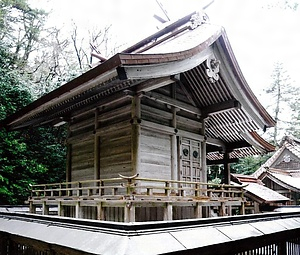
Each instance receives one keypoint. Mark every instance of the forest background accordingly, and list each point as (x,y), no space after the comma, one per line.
(36,58)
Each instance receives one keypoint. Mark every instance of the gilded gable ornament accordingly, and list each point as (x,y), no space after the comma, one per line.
(213,68)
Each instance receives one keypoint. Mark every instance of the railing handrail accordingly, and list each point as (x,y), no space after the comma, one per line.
(138,179)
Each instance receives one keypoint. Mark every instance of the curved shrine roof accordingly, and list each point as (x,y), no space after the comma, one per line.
(189,52)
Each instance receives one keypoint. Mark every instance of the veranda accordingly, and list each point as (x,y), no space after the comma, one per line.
(130,199)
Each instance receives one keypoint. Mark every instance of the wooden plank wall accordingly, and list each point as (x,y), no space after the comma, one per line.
(111,126)
(115,152)
(155,155)
(83,160)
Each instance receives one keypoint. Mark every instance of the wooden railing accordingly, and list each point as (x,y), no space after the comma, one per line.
(129,193)
(137,187)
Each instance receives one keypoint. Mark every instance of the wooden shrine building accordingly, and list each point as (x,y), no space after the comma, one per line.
(144,124)
(281,172)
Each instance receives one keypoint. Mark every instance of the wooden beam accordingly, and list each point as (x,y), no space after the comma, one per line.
(221,161)
(220,107)
(172,102)
(216,142)
(153,84)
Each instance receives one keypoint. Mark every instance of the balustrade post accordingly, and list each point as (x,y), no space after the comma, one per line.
(198,211)
(45,208)
(100,212)
(197,193)
(32,207)
(168,211)
(129,212)
(101,190)
(60,209)
(79,191)
(60,190)
(78,210)
(167,188)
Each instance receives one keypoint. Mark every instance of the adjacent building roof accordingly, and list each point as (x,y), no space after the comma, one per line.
(191,52)
(197,236)
(256,190)
(285,161)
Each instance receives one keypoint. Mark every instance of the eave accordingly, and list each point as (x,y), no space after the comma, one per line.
(230,109)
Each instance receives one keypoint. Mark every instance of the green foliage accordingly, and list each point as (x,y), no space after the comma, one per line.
(32,156)
(249,165)
(20,27)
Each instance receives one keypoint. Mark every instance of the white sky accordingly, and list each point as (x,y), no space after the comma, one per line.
(259,36)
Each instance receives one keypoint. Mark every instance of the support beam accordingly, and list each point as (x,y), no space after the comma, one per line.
(153,84)
(221,107)
(172,102)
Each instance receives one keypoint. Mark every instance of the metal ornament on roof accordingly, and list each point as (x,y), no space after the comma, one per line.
(213,68)
(198,19)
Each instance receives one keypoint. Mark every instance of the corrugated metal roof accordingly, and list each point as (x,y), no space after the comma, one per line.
(96,237)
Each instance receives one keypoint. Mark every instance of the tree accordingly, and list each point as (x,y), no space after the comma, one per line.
(249,165)
(35,155)
(20,26)
(282,93)
(294,123)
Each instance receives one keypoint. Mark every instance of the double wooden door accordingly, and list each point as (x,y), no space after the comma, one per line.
(190,160)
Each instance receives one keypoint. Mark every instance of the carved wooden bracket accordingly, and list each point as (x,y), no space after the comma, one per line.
(213,68)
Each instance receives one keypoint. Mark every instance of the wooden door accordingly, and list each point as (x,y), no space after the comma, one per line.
(190,160)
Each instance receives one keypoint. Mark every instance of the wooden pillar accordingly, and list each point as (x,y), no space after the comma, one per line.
(78,210)
(136,133)
(203,154)
(45,208)
(226,168)
(96,148)
(69,163)
(129,212)
(100,212)
(198,211)
(168,211)
(32,207)
(222,209)
(206,210)
(60,210)
(174,149)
